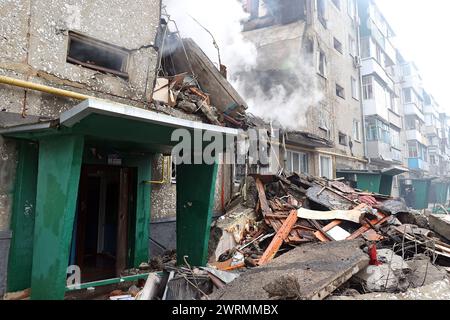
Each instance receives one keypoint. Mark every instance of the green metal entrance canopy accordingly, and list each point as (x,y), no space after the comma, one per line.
(51,154)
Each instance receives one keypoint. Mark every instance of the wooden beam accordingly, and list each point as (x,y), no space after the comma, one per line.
(262,197)
(281,236)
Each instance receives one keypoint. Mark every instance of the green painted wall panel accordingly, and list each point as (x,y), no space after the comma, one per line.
(23,215)
(386,185)
(195,200)
(422,188)
(369,182)
(57,189)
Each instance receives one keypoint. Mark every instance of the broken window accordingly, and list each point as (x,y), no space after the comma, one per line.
(97,55)
(343,139)
(367,88)
(340,91)
(322,63)
(338,46)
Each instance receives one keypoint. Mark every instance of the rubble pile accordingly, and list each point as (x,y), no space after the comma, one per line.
(273,215)
(183,92)
(299,237)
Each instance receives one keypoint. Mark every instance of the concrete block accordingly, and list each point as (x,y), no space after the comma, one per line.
(440,224)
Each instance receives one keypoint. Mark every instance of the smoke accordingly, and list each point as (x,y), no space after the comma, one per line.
(284,97)
(223,19)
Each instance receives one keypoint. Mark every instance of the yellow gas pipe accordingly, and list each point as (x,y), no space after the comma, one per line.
(43,88)
(68,94)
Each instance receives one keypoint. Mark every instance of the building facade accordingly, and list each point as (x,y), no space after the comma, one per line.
(81,144)
(312,43)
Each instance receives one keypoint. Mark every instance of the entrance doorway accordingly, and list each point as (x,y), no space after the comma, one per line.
(100,245)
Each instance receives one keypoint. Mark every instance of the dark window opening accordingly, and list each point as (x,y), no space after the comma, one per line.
(338,46)
(97,55)
(321,7)
(340,92)
(343,139)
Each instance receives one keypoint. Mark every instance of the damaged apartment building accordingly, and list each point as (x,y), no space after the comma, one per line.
(85,145)
(371,121)
(312,46)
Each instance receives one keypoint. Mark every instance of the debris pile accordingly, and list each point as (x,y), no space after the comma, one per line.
(183,92)
(277,214)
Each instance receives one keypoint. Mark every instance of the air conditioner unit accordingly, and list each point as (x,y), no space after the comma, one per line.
(357,62)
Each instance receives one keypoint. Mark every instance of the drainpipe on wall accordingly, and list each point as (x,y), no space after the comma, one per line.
(361,95)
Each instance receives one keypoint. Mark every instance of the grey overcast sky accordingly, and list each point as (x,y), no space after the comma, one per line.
(422,28)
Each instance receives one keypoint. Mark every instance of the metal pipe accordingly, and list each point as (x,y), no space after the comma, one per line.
(43,88)
(108,282)
(164,174)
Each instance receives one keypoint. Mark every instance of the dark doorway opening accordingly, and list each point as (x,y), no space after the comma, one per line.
(103,222)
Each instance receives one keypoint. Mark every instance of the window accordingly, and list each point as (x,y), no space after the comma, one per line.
(322,64)
(324,122)
(406,70)
(407,95)
(367,88)
(337,4)
(338,46)
(433,159)
(378,131)
(325,167)
(351,8)
(340,91)
(395,138)
(365,47)
(352,46)
(355,88)
(343,139)
(379,54)
(357,130)
(297,162)
(97,55)
(413,150)
(321,8)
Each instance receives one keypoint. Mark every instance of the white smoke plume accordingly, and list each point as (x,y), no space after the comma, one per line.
(286,100)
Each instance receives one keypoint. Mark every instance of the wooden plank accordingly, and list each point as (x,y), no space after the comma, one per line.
(281,236)
(367,227)
(262,197)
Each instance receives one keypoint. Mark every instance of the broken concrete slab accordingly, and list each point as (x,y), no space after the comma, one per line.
(387,277)
(423,273)
(440,224)
(318,270)
(436,291)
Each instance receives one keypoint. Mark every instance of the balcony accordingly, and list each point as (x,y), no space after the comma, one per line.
(432,131)
(412,81)
(395,119)
(416,135)
(417,164)
(371,66)
(397,155)
(379,150)
(413,109)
